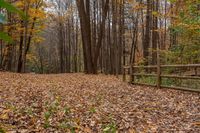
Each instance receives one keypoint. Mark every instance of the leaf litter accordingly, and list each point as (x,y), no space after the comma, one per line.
(80,103)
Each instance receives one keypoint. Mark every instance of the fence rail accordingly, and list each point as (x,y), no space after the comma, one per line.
(159,75)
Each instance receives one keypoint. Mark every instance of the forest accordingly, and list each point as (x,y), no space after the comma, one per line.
(107,36)
(65,64)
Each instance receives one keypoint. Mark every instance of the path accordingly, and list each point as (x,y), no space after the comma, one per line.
(90,103)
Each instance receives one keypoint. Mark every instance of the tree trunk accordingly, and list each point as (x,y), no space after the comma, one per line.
(146,43)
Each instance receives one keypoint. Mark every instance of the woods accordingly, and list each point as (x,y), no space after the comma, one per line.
(99,36)
(99,66)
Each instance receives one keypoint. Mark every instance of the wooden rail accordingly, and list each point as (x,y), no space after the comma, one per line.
(133,69)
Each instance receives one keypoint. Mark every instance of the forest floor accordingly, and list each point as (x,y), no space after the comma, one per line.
(92,103)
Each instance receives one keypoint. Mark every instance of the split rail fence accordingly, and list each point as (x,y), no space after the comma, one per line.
(159,75)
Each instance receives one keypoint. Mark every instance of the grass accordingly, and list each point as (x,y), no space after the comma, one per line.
(172,82)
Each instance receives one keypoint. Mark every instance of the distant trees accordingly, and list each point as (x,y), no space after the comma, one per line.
(62,38)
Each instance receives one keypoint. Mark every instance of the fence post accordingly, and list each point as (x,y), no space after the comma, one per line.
(131,74)
(124,74)
(133,77)
(158,67)
(158,76)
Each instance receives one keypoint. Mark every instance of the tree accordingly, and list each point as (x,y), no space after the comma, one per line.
(91,53)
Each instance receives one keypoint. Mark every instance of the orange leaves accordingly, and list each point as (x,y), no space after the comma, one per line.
(66,100)
(19,4)
(36,17)
(35,10)
(37,13)
(136,5)
(196,124)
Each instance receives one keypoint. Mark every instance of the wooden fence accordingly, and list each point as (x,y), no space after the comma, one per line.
(159,75)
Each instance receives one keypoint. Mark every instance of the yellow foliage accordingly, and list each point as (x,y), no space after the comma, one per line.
(19,4)
(38,40)
(35,21)
(5,115)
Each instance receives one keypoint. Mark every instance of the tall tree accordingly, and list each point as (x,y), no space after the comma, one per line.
(91,53)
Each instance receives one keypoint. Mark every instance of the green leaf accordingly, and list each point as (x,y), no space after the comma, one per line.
(106,129)
(11,8)
(181,14)
(5,37)
(2,18)
(172,1)
(1,130)
(47,115)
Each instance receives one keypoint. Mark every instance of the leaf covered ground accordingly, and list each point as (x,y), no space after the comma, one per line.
(92,103)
